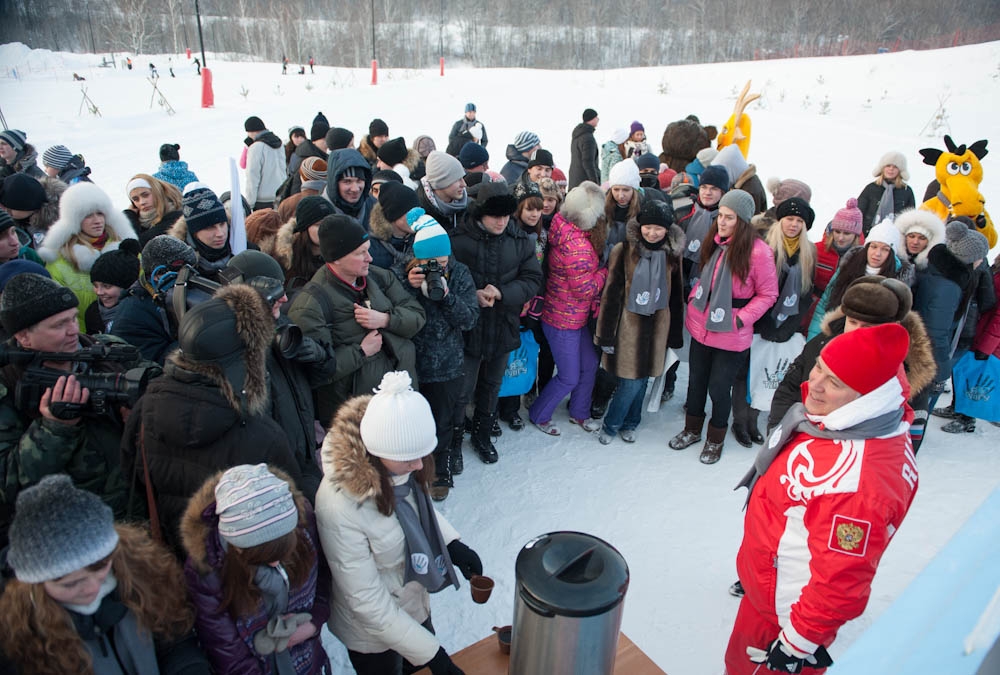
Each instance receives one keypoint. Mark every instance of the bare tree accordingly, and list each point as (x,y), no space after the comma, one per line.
(175,17)
(133,29)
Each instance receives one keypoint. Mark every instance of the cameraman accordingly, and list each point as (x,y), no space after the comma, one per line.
(35,441)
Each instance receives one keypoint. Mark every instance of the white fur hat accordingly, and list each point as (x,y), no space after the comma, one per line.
(398,423)
(895,158)
(584,204)
(76,203)
(927,224)
(624,173)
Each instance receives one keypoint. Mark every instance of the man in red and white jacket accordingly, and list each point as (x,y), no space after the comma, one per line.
(827,493)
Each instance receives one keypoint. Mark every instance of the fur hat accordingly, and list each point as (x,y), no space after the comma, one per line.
(584,204)
(254,123)
(867,358)
(886,233)
(525,141)
(442,170)
(965,244)
(655,212)
(339,235)
(15,138)
(21,192)
(472,154)
(319,127)
(201,208)
(393,151)
(786,189)
(740,202)
(848,218)
(119,268)
(589,114)
(796,206)
(895,158)
(624,173)
(396,200)
(338,138)
(715,175)
(398,423)
(494,199)
(79,201)
(921,222)
(541,158)
(619,135)
(253,506)
(310,210)
(30,298)
(378,128)
(58,529)
(169,152)
(875,299)
(430,240)
(58,156)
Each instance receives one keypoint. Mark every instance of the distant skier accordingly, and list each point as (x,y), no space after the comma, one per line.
(284,64)
(170,66)
(312,62)
(128,62)
(152,72)
(197,64)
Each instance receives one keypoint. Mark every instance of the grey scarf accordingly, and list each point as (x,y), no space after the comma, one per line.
(108,315)
(886,205)
(648,292)
(446,208)
(719,318)
(273,584)
(427,559)
(795,420)
(788,300)
(697,227)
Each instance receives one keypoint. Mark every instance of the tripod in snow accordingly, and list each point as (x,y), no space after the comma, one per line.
(91,106)
(156,92)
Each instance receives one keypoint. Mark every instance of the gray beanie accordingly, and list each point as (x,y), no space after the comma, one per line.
(168,252)
(58,529)
(443,170)
(965,244)
(29,298)
(741,202)
(254,506)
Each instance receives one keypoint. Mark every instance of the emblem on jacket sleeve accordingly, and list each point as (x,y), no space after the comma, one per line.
(849,535)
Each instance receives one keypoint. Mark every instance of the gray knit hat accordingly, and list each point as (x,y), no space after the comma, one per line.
(741,202)
(58,529)
(965,244)
(443,170)
(525,141)
(167,252)
(58,156)
(30,298)
(254,506)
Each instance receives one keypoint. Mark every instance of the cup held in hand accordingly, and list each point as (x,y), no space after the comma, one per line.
(481,587)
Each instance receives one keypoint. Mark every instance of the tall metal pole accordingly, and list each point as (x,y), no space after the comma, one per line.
(373,29)
(201,40)
(441,32)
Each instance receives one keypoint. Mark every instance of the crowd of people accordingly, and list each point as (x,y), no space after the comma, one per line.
(213,376)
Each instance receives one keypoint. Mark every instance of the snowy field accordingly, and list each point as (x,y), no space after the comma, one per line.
(677,522)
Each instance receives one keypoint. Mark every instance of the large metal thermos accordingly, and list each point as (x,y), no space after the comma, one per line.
(568,609)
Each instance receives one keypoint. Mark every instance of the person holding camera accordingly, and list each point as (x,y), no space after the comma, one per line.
(447,293)
(59,427)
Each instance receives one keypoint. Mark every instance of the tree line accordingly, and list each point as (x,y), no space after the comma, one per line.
(580,34)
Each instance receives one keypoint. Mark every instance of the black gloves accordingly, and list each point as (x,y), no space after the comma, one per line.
(780,657)
(465,559)
(441,664)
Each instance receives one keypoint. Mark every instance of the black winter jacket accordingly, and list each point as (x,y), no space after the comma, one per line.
(143,322)
(584,156)
(870,198)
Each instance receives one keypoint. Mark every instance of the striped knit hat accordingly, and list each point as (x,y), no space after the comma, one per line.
(254,506)
(525,141)
(313,173)
(58,156)
(15,138)
(430,240)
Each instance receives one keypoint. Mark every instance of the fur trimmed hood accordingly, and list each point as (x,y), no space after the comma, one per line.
(279,245)
(927,224)
(673,243)
(42,219)
(179,230)
(256,330)
(378,226)
(584,205)
(920,365)
(200,522)
(344,456)
(75,204)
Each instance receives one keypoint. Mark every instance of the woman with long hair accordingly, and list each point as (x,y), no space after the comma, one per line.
(738,284)
(256,574)
(380,530)
(296,245)
(154,206)
(888,195)
(88,596)
(88,226)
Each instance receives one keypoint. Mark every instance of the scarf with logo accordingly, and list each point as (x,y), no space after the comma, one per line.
(717,293)
(427,559)
(648,293)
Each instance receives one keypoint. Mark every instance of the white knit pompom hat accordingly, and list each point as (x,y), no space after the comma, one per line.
(398,423)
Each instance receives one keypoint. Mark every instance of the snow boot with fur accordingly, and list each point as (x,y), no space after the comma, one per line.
(714,439)
(691,433)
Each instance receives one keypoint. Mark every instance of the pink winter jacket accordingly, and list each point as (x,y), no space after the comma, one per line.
(761,287)
(575,278)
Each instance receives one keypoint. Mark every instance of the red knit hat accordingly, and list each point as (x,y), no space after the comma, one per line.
(867,358)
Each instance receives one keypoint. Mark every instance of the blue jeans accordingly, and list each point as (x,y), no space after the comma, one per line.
(625,409)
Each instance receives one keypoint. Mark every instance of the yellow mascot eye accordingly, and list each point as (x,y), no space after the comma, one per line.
(952,168)
(966,168)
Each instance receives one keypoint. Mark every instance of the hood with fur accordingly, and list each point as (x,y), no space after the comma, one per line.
(344,456)
(279,245)
(673,243)
(42,219)
(927,224)
(378,225)
(75,204)
(255,326)
(920,365)
(199,524)
(584,205)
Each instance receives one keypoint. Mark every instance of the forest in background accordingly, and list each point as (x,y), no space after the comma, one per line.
(579,34)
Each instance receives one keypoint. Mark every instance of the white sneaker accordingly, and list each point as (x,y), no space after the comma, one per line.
(605,439)
(628,435)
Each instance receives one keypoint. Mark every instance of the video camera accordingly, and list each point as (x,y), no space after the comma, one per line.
(108,390)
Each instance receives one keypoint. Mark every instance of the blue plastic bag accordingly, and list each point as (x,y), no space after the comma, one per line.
(976,384)
(522,367)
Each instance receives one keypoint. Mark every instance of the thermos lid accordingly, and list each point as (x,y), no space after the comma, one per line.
(572,574)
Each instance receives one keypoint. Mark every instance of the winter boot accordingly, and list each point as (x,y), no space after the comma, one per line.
(482,423)
(442,476)
(752,431)
(947,412)
(712,451)
(962,424)
(457,465)
(736,590)
(741,434)
(691,433)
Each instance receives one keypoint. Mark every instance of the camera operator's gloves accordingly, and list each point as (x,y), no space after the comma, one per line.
(442,664)
(444,285)
(294,346)
(608,349)
(784,658)
(465,559)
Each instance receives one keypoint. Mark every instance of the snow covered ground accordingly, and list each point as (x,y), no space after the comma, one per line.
(677,522)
